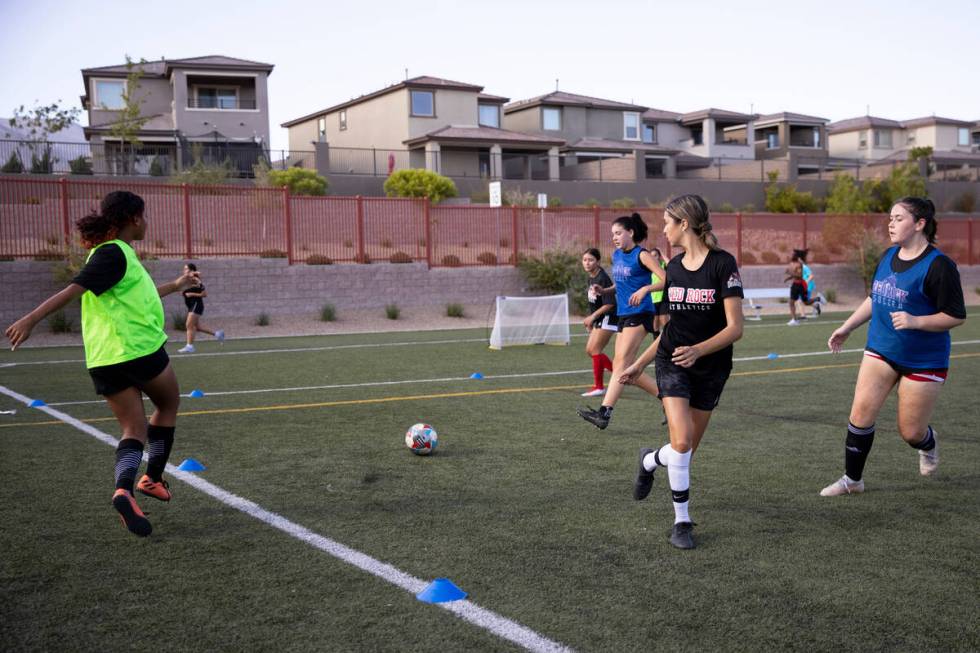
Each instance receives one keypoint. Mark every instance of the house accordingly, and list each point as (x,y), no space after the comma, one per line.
(719,133)
(865,137)
(453,128)
(214,107)
(777,135)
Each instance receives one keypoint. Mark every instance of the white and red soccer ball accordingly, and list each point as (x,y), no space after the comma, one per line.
(421,439)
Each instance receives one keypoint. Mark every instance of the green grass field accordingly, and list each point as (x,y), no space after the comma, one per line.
(524,506)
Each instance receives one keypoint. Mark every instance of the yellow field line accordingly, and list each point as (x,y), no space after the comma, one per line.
(445,395)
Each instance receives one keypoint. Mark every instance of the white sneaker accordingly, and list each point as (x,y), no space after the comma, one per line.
(594,392)
(220,335)
(929,460)
(823,300)
(793,323)
(186,349)
(843,486)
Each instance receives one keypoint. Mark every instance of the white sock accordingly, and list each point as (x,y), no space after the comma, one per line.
(679,475)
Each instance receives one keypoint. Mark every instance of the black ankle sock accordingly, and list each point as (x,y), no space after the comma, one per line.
(160,440)
(129,454)
(857,446)
(606,411)
(927,443)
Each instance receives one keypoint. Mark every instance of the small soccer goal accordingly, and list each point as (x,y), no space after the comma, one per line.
(530,321)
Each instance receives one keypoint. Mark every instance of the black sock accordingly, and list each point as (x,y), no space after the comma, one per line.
(129,454)
(160,440)
(606,411)
(857,446)
(927,443)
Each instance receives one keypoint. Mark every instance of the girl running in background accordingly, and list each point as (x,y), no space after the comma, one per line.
(693,353)
(194,300)
(658,276)
(122,328)
(600,323)
(916,298)
(802,287)
(632,266)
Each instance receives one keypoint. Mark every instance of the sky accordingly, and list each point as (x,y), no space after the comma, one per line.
(834,59)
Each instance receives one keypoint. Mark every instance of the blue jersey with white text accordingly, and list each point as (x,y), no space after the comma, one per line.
(903,291)
(630,275)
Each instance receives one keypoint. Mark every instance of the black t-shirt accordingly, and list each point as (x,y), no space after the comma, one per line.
(602,280)
(942,282)
(192,301)
(695,301)
(104,270)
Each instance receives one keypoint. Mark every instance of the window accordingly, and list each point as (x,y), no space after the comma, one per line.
(862,139)
(772,140)
(631,126)
(342,116)
(697,135)
(109,94)
(551,118)
(649,133)
(910,138)
(321,130)
(655,168)
(816,137)
(216,97)
(423,104)
(976,138)
(883,138)
(489,115)
(963,136)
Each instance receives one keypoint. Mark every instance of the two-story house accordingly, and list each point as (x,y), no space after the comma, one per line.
(214,107)
(450,127)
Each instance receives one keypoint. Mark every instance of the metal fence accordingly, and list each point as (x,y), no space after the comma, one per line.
(37,218)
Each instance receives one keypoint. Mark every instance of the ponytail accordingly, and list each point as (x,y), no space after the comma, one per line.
(695,210)
(922,208)
(635,224)
(118,209)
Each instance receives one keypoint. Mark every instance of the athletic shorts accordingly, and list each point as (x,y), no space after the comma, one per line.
(110,379)
(701,389)
(932,375)
(606,323)
(637,319)
(798,291)
(194,306)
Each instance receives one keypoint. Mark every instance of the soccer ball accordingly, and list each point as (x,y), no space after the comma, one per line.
(421,439)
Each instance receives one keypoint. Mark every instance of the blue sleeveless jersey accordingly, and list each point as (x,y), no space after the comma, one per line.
(629,275)
(902,291)
(808,280)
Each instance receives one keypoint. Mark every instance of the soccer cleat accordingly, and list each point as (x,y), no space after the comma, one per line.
(681,535)
(929,460)
(130,513)
(644,478)
(843,486)
(186,349)
(594,392)
(816,307)
(158,490)
(823,300)
(792,323)
(593,416)
(219,335)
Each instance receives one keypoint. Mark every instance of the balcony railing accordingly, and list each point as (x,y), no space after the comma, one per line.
(220,104)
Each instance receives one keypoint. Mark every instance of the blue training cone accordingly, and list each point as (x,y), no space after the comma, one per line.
(197,394)
(772,356)
(441,590)
(476,375)
(37,403)
(191,465)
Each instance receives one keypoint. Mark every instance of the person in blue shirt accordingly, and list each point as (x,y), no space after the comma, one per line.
(916,298)
(803,287)
(632,284)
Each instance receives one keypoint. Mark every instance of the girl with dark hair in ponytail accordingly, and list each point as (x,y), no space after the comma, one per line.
(122,328)
(693,353)
(916,298)
(632,285)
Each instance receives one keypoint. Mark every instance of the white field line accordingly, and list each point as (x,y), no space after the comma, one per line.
(372,384)
(466,610)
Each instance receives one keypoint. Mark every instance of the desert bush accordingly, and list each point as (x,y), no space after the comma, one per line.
(726,207)
(178,321)
(454,310)
(262,319)
(591,202)
(770,258)
(965,202)
(487,258)
(866,255)
(451,261)
(784,198)
(48,254)
(400,257)
(80,166)
(392,311)
(831,295)
(59,322)
(299,181)
(748,258)
(13,165)
(328,313)
(318,259)
(419,183)
(557,271)
(272,253)
(623,203)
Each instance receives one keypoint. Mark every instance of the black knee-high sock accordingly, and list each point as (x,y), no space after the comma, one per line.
(160,440)
(857,446)
(927,443)
(129,454)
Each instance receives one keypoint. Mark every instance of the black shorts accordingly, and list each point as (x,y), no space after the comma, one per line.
(702,389)
(637,319)
(799,291)
(661,307)
(194,306)
(607,323)
(110,379)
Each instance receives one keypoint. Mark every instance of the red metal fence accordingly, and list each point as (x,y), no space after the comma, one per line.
(37,218)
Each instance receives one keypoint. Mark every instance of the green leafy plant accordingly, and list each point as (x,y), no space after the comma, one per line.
(454,310)
(40,122)
(43,164)
(831,295)
(59,322)
(623,203)
(591,202)
(328,313)
(157,168)
(557,271)
(554,202)
(178,321)
(866,255)
(81,165)
(262,320)
(416,182)
(200,173)
(726,207)
(784,198)
(392,311)
(13,165)
(845,195)
(300,181)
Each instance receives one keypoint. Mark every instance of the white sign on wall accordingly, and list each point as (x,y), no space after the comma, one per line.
(495,197)
(542,200)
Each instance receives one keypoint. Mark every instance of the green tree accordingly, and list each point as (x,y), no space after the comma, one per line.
(41,121)
(129,120)
(416,182)
(784,198)
(847,196)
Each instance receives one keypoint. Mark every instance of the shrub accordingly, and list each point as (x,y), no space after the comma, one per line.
(392,311)
(59,322)
(47,254)
(419,183)
(31,200)
(784,198)
(386,243)
(591,202)
(451,261)
(480,197)
(156,168)
(349,244)
(964,203)
(831,295)
(178,321)
(519,198)
(318,259)
(44,164)
(262,319)
(748,208)
(505,242)
(748,258)
(454,310)
(726,207)
(847,196)
(487,258)
(400,257)
(866,255)
(770,258)
(200,173)
(328,313)
(623,203)
(557,271)
(13,165)
(554,202)
(80,166)
(272,253)
(840,229)
(364,259)
(299,181)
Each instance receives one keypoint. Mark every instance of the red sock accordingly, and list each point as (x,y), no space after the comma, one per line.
(597,370)
(606,363)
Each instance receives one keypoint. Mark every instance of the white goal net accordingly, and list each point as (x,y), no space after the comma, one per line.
(530,321)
